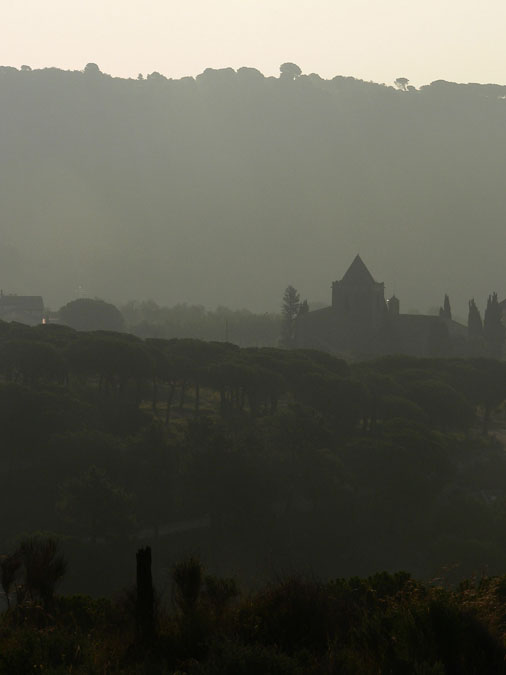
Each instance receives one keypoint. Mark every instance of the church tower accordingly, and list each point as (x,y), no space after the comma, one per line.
(359,300)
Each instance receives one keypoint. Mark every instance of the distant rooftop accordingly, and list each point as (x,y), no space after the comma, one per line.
(21,301)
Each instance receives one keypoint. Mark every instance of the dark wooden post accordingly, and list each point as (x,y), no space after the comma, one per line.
(144,610)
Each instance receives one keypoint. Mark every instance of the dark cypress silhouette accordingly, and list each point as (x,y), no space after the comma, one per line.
(474,322)
(144,609)
(446,311)
(493,328)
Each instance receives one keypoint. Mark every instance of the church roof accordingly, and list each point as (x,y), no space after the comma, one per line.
(358,273)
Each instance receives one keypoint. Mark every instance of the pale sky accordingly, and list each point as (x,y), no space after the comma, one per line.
(424,40)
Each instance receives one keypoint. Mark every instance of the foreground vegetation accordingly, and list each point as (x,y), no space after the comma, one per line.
(387,623)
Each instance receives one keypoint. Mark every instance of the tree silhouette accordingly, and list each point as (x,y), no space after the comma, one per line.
(91,314)
(402,83)
(9,568)
(31,361)
(187,580)
(92,69)
(493,328)
(488,386)
(44,567)
(145,605)
(445,311)
(474,322)
(290,310)
(289,71)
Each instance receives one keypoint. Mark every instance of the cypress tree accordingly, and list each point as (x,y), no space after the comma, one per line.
(474,322)
(446,311)
(493,329)
(289,310)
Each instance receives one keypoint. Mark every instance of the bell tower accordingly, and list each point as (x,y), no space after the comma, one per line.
(358,299)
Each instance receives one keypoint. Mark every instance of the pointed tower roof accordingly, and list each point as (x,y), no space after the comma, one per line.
(358,273)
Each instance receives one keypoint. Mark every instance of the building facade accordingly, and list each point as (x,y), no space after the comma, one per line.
(361,323)
(28,309)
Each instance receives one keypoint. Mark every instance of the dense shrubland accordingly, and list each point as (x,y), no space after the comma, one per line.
(297,625)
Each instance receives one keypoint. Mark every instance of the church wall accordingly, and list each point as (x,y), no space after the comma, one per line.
(359,323)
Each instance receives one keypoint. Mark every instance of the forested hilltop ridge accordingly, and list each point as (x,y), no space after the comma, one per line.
(219,189)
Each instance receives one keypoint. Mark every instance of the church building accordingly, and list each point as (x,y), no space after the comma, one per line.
(360,323)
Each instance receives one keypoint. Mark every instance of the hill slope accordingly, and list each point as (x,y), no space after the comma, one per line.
(225,188)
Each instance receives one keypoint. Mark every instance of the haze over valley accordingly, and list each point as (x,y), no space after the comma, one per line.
(221,189)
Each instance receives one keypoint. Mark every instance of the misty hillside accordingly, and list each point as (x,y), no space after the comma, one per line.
(225,188)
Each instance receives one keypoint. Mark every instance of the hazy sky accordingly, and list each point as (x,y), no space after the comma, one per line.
(424,40)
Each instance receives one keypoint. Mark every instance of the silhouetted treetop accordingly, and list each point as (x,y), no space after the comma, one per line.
(92,69)
(91,314)
(402,83)
(289,71)
(445,311)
